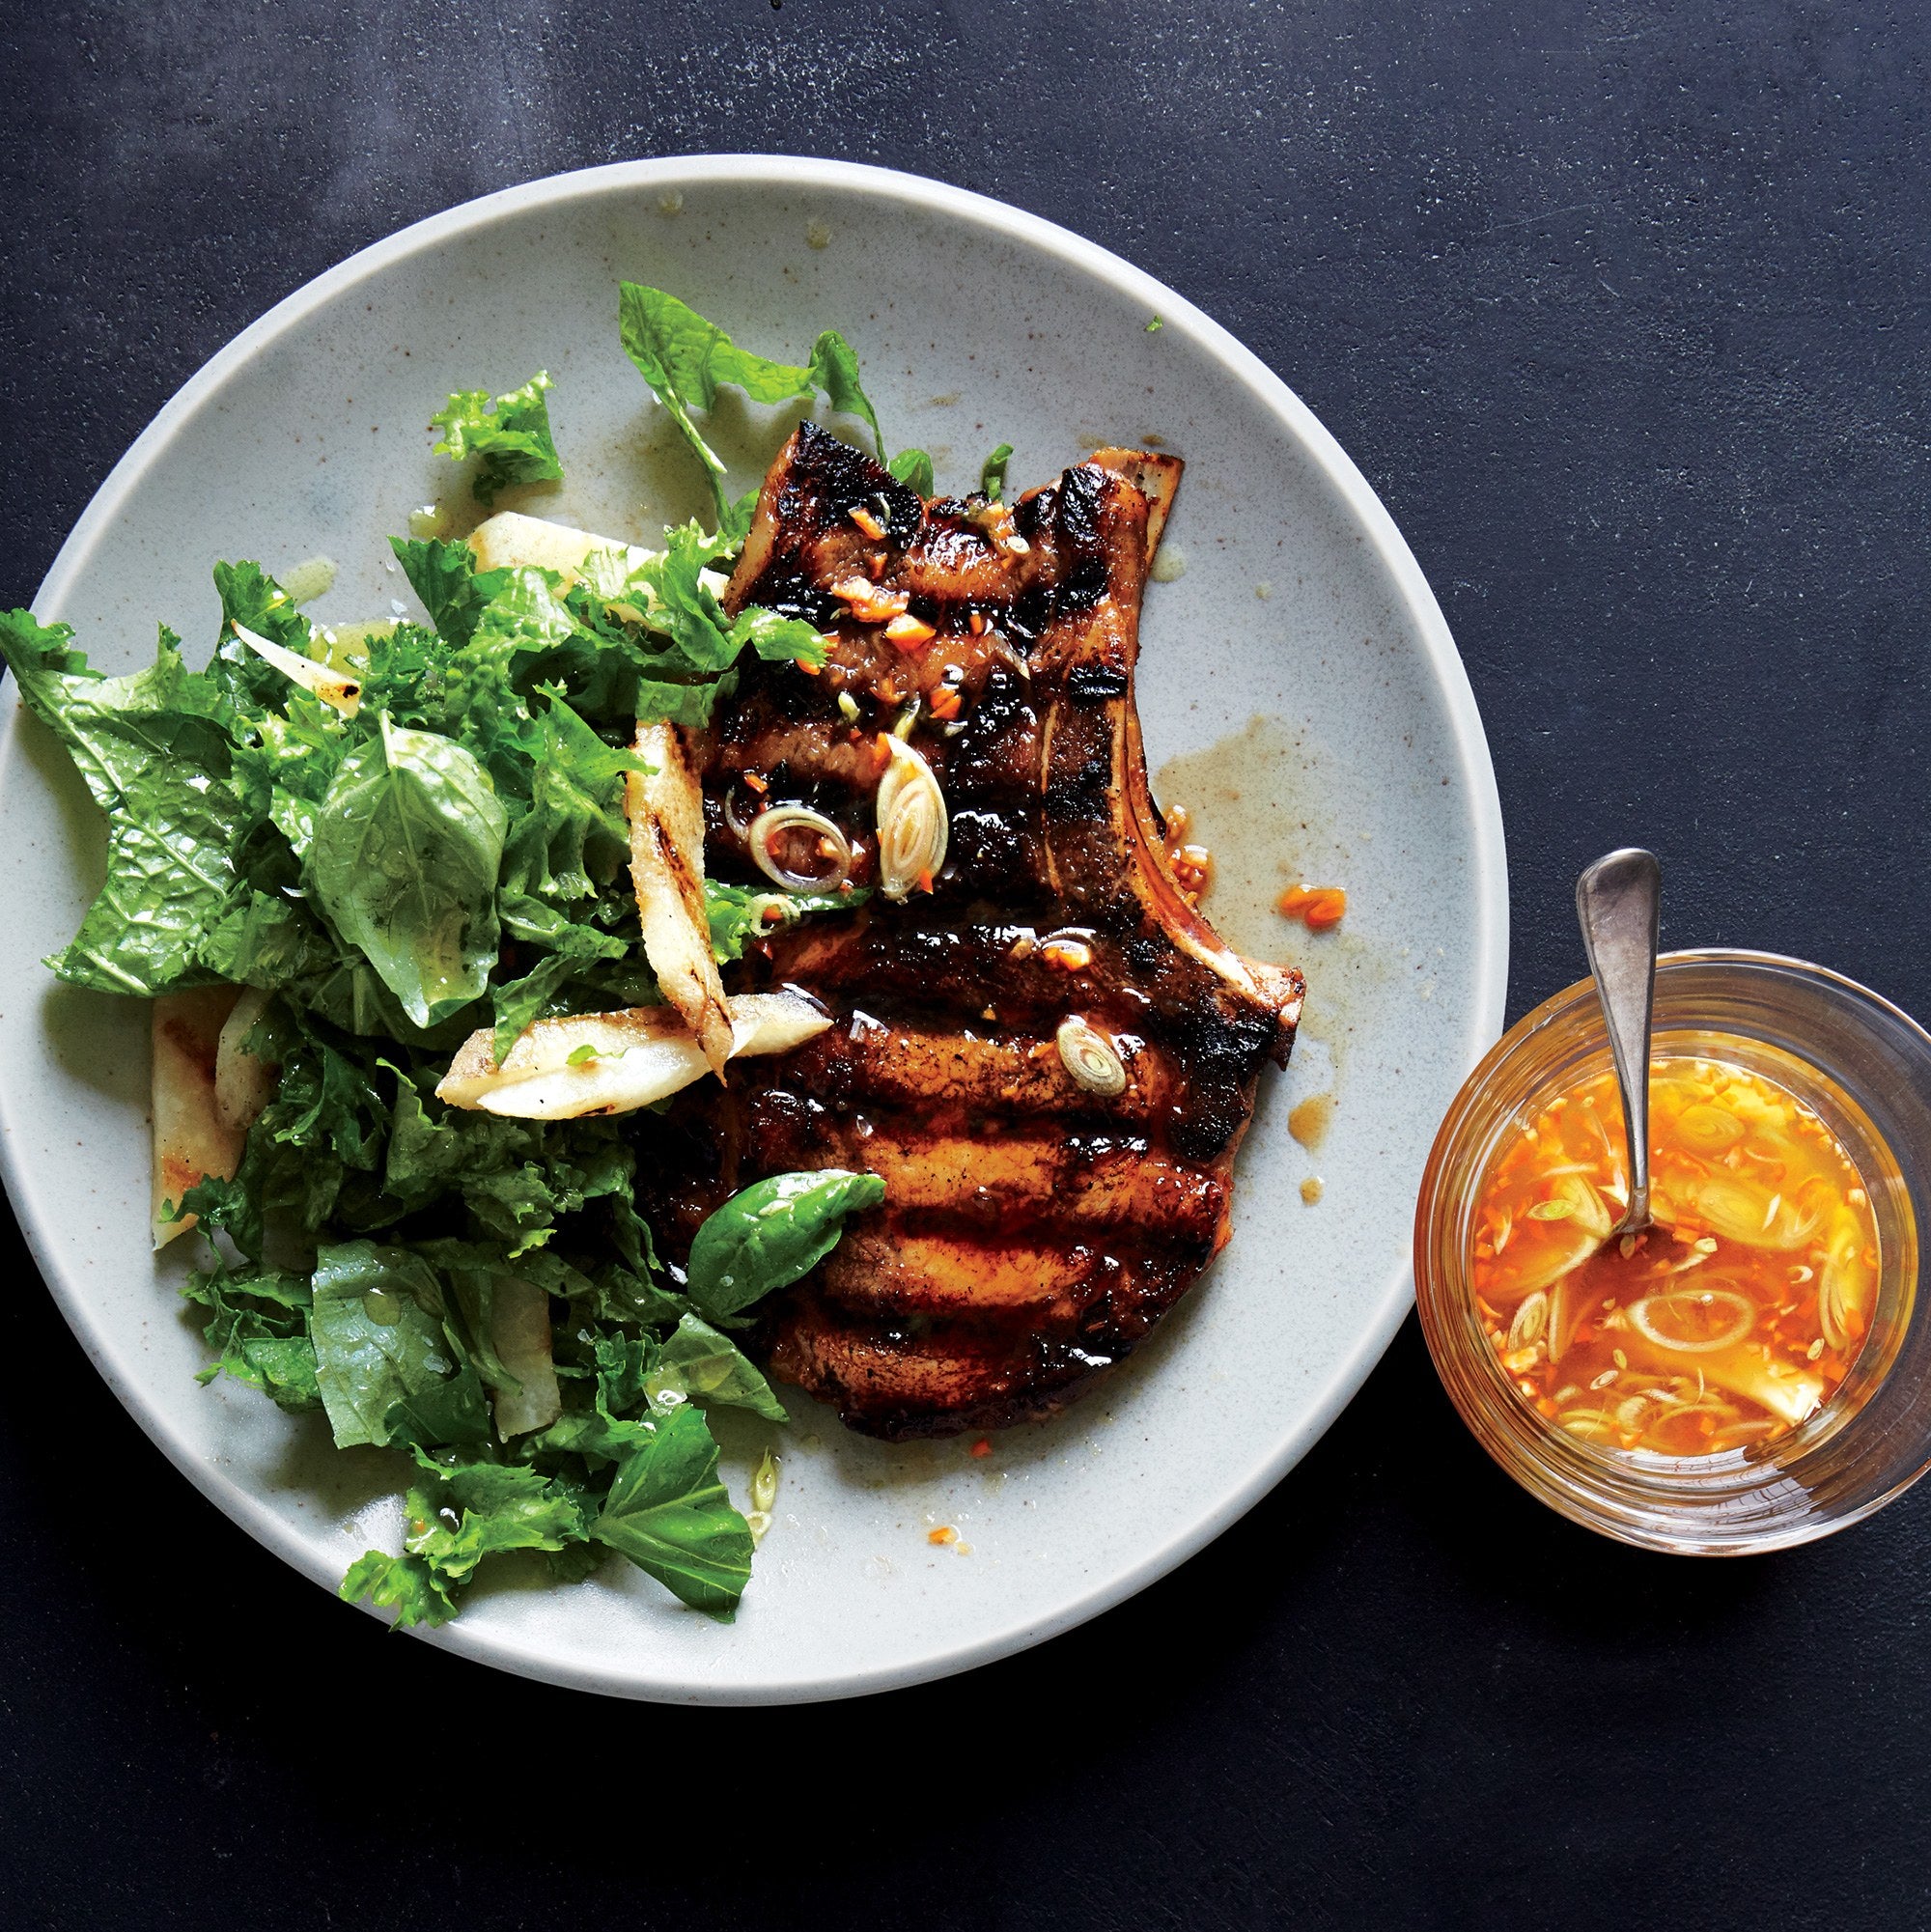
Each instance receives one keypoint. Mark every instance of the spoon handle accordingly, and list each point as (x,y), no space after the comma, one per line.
(1616,901)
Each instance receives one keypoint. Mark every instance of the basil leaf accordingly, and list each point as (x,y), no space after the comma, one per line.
(992,472)
(376,1344)
(771,1233)
(912,466)
(698,1364)
(404,863)
(668,1513)
(510,434)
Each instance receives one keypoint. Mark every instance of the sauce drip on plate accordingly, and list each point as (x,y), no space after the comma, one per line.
(1726,1324)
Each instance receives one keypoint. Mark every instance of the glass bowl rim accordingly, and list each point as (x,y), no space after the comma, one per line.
(1842,984)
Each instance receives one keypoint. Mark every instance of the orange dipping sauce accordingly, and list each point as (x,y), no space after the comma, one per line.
(1730,1322)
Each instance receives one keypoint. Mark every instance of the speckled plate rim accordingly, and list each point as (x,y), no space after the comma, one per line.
(1269,395)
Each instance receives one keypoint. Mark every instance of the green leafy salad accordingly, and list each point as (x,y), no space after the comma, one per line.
(394,838)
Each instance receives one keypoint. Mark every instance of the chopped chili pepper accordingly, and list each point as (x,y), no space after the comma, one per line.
(1317,907)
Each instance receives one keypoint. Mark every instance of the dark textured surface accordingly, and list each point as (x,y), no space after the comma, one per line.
(1623,310)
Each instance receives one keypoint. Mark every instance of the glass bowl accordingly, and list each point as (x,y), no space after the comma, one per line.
(1866,1068)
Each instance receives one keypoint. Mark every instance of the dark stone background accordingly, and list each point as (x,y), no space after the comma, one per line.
(1622,310)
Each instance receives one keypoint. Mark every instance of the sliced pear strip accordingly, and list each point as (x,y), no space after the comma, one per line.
(519,1334)
(634,1058)
(243,1085)
(191,1140)
(665,807)
(341,688)
(507,541)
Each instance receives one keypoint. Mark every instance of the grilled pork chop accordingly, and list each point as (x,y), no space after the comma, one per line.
(1045,1206)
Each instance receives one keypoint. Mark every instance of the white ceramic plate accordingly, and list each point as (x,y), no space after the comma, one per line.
(1302,641)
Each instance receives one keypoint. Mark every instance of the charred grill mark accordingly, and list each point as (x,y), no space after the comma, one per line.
(956,1080)
(904,1380)
(1032,513)
(900,1271)
(1000,1181)
(828,479)
(905,973)
(1095,684)
(787,590)
(918,1372)
(1080,541)
(997,748)
(991,850)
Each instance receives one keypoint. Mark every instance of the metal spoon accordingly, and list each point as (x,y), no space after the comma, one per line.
(1616,900)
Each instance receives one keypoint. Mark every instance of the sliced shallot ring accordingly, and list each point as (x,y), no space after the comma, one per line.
(798,818)
(1743,1320)
(1843,1285)
(739,824)
(1090,1058)
(914,828)
(1531,1321)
